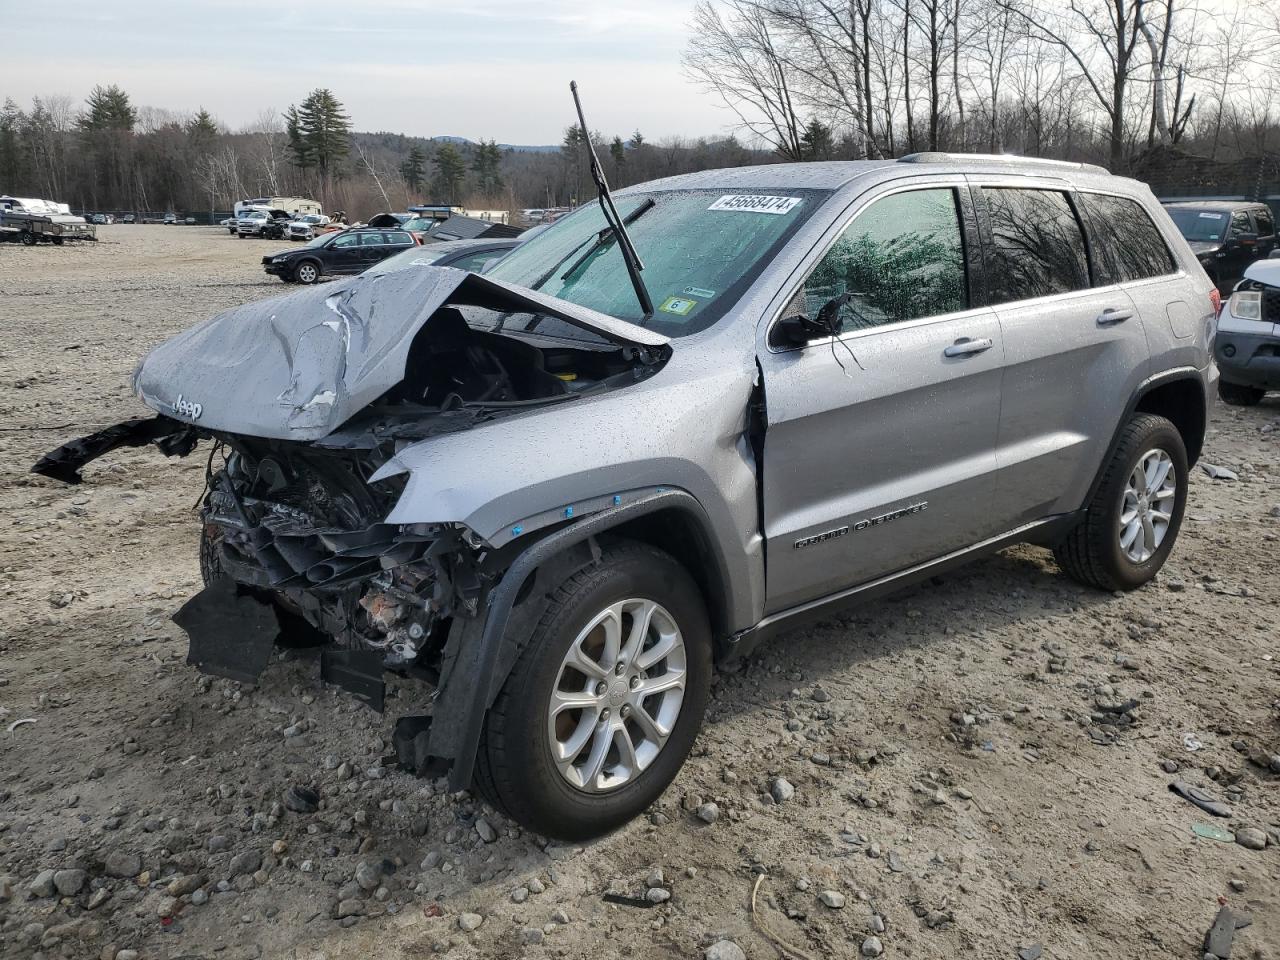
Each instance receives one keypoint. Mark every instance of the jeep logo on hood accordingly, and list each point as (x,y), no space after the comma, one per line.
(185,408)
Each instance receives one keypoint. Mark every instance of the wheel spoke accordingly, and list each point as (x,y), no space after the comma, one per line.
(1130,533)
(671,680)
(667,642)
(1148,537)
(1163,466)
(652,730)
(567,750)
(627,758)
(562,700)
(579,660)
(602,738)
(641,618)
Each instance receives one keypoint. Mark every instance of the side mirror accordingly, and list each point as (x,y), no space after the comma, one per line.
(796,331)
(1246,239)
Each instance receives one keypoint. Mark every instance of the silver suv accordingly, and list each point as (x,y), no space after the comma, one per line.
(559,493)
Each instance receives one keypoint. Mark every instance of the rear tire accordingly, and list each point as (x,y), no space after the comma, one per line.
(1119,544)
(516,769)
(1237,395)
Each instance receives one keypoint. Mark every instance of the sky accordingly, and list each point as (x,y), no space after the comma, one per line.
(497,69)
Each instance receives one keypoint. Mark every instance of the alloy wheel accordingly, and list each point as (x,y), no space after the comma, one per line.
(617,696)
(1146,510)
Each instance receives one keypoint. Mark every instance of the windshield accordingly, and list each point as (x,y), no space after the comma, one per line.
(413,257)
(1202,225)
(701,249)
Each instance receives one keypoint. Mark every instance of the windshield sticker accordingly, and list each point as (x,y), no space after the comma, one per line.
(746,203)
(1212,216)
(698,292)
(680,306)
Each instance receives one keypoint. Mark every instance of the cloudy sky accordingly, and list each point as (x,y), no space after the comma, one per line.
(479,68)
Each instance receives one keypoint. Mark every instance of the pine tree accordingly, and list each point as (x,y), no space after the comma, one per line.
(319,133)
(202,129)
(108,109)
(636,141)
(816,142)
(414,170)
(11,159)
(618,150)
(450,169)
(485,164)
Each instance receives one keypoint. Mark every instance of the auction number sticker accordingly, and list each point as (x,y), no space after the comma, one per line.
(1212,216)
(751,203)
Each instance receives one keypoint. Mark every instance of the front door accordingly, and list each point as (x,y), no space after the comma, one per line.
(344,254)
(879,448)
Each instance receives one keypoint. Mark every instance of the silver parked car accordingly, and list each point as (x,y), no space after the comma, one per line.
(559,492)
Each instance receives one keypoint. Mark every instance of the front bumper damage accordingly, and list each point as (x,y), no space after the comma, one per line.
(301,402)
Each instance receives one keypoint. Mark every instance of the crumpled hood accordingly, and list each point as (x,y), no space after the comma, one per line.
(297,367)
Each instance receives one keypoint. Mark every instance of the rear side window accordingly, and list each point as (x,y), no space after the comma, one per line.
(1126,244)
(398,239)
(1240,223)
(900,259)
(1265,221)
(1037,247)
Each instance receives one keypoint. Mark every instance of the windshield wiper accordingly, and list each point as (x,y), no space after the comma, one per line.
(605,198)
(606,236)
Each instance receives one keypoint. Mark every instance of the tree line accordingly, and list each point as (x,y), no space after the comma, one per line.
(109,154)
(1097,80)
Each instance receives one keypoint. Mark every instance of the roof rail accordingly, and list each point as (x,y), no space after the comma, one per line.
(933,156)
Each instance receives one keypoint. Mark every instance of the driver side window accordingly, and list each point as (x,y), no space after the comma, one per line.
(902,258)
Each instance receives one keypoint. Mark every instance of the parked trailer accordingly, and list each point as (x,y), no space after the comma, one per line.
(33,228)
(38,220)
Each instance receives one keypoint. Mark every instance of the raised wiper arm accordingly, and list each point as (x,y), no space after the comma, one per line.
(604,237)
(605,198)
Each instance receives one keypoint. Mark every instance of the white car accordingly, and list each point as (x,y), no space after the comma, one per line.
(304,228)
(230,224)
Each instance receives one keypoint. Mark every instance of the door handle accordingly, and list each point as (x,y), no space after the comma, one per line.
(1111,315)
(965,347)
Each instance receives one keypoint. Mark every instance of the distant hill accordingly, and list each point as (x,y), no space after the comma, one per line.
(517,147)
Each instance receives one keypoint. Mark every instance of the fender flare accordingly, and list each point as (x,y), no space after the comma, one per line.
(459,736)
(1161,379)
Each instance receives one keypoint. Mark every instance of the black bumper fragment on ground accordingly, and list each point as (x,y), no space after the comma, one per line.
(173,438)
(232,633)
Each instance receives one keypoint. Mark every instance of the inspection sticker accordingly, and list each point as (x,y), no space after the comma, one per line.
(750,203)
(680,306)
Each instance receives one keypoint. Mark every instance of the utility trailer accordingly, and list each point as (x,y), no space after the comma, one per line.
(35,221)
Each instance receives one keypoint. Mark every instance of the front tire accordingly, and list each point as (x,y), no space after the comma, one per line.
(1130,525)
(1238,395)
(604,703)
(306,272)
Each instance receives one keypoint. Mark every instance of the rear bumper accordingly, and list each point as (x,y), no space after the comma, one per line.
(1249,360)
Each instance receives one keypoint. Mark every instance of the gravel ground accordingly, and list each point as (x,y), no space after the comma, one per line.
(971,768)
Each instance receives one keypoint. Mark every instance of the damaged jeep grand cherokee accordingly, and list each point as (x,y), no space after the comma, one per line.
(661,431)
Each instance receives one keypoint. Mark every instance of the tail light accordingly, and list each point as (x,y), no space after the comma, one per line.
(1215,301)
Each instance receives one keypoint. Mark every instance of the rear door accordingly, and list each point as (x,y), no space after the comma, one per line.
(1073,348)
(879,448)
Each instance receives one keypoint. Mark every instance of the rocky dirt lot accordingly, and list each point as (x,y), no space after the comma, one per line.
(978,767)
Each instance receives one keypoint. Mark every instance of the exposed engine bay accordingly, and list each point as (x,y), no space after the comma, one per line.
(293,530)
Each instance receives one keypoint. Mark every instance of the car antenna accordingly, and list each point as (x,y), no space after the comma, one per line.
(629,255)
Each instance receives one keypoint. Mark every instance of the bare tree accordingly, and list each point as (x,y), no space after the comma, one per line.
(736,57)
